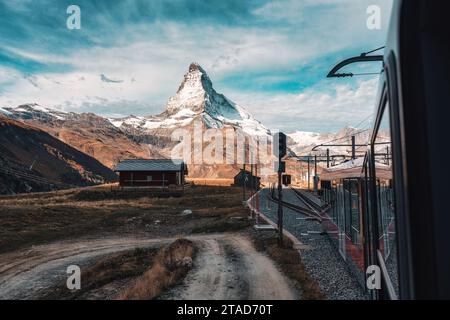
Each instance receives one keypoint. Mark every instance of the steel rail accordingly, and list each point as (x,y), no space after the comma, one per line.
(309,213)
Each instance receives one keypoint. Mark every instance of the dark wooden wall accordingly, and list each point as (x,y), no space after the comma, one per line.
(139,179)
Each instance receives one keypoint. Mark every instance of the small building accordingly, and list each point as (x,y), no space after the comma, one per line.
(151,173)
(246,177)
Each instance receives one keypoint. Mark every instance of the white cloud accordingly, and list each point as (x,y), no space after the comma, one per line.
(151,59)
(8,75)
(156,65)
(314,110)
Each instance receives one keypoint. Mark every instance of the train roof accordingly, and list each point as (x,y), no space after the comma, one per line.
(354,169)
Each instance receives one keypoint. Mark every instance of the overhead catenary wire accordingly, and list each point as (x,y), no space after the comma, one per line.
(372,51)
(346,136)
(365,74)
(356,130)
(358,126)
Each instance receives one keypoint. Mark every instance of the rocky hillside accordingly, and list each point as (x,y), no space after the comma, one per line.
(111,140)
(87,132)
(33,160)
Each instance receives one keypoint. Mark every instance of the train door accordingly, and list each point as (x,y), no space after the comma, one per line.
(383,202)
(366,219)
(418,68)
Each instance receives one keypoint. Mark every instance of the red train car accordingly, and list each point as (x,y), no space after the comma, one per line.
(344,190)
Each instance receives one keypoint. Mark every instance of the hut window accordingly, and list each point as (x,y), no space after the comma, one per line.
(149,178)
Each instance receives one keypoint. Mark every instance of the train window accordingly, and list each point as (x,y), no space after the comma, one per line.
(351,204)
(382,154)
(340,218)
(347,208)
(333,201)
(354,211)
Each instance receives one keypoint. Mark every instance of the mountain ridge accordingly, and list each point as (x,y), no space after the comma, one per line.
(33,160)
(196,99)
(113,139)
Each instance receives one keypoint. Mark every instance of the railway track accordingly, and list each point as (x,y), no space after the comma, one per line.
(310,203)
(312,214)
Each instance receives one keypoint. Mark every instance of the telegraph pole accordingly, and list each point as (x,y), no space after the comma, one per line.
(328,158)
(244,177)
(309,174)
(280,151)
(315,173)
(280,209)
(244,181)
(353,147)
(252,183)
(256,205)
(387,155)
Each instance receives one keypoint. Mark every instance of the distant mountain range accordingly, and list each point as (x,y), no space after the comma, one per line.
(302,143)
(109,140)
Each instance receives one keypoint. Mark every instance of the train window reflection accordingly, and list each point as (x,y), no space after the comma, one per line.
(351,193)
(382,151)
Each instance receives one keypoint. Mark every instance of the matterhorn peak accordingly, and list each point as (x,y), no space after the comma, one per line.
(194,66)
(197,97)
(195,88)
(196,78)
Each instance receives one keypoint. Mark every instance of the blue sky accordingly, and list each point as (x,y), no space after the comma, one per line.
(130,55)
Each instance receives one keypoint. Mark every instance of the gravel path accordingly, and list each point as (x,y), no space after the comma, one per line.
(321,259)
(232,269)
(227,267)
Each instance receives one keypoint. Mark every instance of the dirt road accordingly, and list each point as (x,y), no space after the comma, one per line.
(227,266)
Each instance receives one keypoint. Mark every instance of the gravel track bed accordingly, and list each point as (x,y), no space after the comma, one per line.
(322,260)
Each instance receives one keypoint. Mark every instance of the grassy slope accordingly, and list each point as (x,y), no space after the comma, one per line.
(91,212)
(22,144)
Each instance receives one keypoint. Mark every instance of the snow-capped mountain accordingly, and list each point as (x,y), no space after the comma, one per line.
(197,99)
(302,142)
(304,138)
(34,110)
(112,139)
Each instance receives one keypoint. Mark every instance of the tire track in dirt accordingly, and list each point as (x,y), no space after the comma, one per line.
(232,269)
(227,267)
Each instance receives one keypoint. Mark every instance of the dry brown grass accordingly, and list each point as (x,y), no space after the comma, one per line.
(142,273)
(211,182)
(92,212)
(167,270)
(289,260)
(114,267)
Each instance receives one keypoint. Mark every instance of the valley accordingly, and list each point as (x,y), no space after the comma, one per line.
(116,240)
